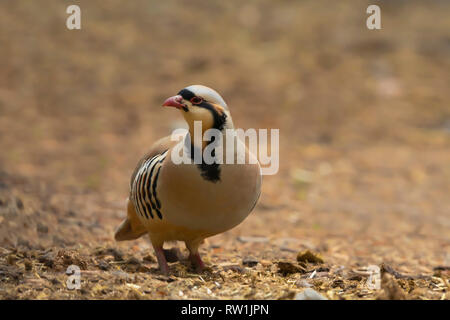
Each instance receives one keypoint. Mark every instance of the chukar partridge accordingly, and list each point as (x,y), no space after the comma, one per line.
(190,202)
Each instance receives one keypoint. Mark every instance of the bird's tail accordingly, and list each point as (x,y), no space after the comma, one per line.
(130,228)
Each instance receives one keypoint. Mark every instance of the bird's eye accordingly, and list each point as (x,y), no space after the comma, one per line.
(196,100)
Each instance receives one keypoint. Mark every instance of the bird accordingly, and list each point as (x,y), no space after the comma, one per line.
(190,202)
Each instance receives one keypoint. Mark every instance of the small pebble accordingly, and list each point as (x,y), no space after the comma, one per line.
(249,261)
(134,286)
(103,265)
(245,239)
(309,294)
(233,267)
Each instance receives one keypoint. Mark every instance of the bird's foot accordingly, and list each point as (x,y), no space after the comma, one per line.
(197,262)
(163,266)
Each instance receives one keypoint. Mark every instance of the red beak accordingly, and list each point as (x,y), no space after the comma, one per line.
(175,101)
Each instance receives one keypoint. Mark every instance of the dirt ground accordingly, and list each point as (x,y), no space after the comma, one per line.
(364,121)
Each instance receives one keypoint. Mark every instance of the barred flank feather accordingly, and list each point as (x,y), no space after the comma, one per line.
(143,188)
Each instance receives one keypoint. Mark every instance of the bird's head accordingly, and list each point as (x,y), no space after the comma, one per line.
(200,103)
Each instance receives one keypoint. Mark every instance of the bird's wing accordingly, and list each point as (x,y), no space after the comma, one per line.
(131,228)
(158,147)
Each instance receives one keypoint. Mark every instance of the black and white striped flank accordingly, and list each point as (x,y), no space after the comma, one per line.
(143,188)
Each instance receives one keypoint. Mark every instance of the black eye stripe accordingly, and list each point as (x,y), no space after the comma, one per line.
(186,94)
(189,95)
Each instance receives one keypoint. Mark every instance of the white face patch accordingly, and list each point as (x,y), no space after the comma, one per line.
(208,94)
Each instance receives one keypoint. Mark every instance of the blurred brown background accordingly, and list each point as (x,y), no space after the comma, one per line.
(364,119)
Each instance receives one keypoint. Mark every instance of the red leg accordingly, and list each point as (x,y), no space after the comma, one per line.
(197,261)
(159,252)
(194,255)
